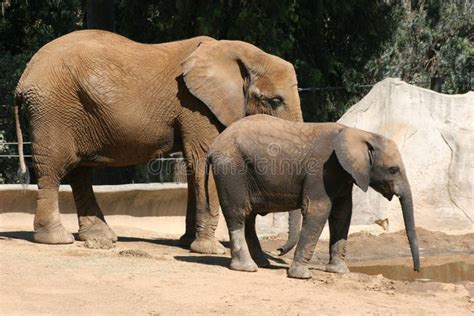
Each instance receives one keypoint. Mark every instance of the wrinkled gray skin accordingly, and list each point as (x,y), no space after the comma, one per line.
(98,99)
(263,164)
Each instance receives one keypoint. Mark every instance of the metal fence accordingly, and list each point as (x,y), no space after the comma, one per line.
(161,170)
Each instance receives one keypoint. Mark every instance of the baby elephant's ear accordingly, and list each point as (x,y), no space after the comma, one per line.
(352,151)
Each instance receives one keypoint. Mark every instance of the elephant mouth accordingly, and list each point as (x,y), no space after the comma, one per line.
(388,195)
(384,189)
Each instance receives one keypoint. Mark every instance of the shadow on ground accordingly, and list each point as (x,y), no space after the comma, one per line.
(225,261)
(176,243)
(28,236)
(22,234)
(207,260)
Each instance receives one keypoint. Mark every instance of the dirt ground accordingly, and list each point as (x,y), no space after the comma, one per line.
(148,273)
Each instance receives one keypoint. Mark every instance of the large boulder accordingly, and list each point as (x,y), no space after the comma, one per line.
(435,135)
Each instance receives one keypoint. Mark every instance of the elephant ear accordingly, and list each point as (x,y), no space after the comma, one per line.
(215,74)
(352,149)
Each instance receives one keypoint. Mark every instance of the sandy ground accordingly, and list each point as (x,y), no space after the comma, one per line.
(149,273)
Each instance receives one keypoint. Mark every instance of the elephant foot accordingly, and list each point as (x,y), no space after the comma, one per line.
(337,266)
(207,246)
(243,265)
(299,271)
(338,253)
(96,229)
(56,234)
(187,239)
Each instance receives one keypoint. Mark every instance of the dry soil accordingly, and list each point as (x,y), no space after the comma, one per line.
(148,273)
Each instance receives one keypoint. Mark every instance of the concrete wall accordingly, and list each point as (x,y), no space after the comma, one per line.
(159,206)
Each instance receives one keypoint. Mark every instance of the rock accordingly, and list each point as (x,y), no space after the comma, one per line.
(135,253)
(99,244)
(435,135)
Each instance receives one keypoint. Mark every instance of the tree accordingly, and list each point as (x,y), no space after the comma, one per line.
(432,40)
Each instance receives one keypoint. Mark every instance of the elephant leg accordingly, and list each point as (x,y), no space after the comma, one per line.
(241,258)
(47,223)
(339,222)
(92,224)
(253,243)
(190,234)
(207,216)
(315,215)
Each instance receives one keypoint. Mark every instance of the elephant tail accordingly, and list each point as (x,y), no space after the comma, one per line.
(206,179)
(23,173)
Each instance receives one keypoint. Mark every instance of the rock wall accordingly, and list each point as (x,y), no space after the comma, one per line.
(435,135)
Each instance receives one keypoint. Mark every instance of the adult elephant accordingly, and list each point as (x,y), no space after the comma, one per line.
(97,99)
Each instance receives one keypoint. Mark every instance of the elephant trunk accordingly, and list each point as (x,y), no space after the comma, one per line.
(406,203)
(294,223)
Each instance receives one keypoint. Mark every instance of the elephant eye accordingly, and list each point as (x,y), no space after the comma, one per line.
(394,170)
(275,102)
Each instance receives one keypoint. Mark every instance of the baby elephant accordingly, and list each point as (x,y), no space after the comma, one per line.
(263,164)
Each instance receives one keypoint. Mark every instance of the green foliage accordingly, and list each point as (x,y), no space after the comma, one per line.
(333,43)
(24,28)
(434,40)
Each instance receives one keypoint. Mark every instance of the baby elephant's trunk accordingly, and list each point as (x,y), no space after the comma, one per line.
(406,203)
